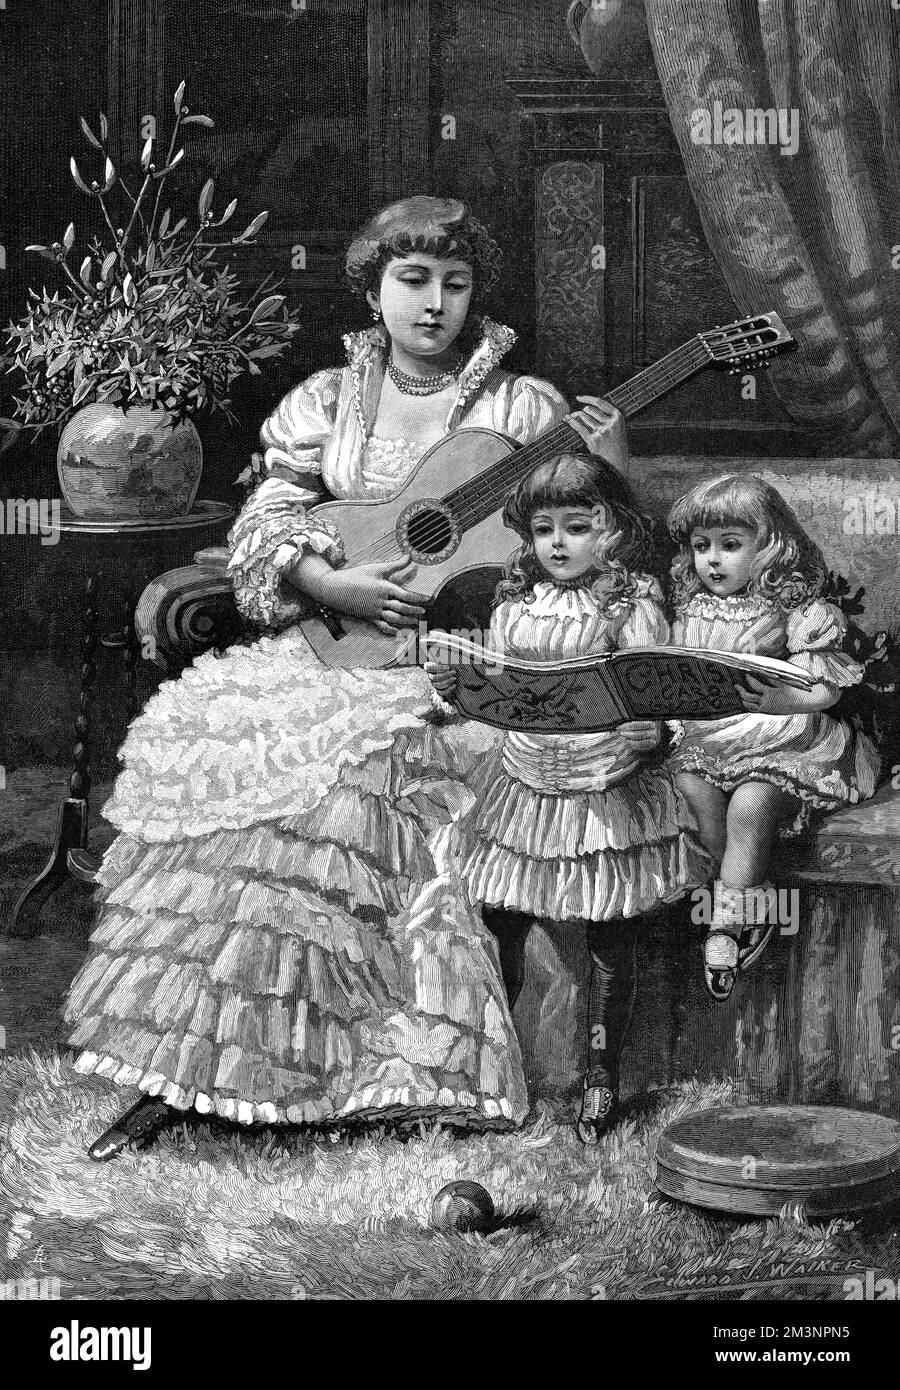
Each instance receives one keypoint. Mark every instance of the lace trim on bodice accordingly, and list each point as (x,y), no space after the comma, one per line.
(387,463)
(732,607)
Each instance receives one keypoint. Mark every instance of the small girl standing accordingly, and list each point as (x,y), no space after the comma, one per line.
(748,578)
(576,828)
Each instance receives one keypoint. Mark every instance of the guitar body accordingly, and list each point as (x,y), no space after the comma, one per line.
(414,525)
(447,518)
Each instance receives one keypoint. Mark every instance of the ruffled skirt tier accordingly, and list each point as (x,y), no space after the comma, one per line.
(294,969)
(815,758)
(587,855)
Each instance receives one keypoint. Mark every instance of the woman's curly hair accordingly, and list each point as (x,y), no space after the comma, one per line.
(788,568)
(624,549)
(441,227)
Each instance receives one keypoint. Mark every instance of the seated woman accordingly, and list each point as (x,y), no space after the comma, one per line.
(276,942)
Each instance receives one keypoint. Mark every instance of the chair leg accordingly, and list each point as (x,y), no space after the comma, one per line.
(71,836)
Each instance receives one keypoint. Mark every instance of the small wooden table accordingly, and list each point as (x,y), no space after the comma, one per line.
(71,855)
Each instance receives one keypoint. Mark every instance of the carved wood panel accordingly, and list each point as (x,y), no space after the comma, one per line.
(569,264)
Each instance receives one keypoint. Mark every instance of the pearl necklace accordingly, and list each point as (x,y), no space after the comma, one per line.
(423,385)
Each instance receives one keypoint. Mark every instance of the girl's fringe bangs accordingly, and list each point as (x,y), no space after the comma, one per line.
(727,503)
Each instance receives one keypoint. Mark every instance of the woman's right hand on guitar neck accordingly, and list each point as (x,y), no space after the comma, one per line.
(375,593)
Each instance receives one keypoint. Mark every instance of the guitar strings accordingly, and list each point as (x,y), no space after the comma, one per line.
(549,446)
(494,480)
(484,488)
(501,476)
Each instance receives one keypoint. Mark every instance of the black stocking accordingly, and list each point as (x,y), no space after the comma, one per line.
(511,930)
(613,948)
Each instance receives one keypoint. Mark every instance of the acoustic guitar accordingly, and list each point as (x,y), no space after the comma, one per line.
(447,517)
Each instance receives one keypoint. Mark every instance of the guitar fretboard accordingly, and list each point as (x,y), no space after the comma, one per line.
(477,499)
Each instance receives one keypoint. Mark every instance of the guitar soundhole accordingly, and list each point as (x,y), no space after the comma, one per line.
(430,531)
(427,533)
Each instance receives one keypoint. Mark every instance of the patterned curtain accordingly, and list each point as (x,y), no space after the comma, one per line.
(813,232)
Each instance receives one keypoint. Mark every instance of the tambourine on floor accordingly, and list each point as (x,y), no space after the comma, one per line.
(755,1160)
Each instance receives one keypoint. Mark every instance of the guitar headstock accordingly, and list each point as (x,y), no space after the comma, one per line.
(749,342)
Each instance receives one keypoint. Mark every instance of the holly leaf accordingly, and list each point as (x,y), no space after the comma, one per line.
(57,364)
(11,429)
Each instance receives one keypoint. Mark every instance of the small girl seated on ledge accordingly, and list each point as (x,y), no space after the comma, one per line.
(748,578)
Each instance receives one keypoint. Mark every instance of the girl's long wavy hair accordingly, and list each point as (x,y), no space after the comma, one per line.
(788,568)
(624,547)
(441,227)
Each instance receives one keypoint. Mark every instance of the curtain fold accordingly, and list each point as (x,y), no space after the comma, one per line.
(814,233)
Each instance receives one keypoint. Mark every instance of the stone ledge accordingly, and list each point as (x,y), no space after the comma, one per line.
(858,845)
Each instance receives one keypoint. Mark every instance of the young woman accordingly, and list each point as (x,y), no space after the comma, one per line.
(276,942)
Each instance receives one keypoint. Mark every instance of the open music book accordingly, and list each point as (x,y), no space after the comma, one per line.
(593,693)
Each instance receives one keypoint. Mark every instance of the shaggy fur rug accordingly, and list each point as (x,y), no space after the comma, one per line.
(209,1212)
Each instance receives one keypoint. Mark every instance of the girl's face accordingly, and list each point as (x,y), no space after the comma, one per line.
(723,557)
(424,301)
(564,540)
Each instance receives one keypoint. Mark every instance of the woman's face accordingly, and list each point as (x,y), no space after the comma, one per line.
(424,301)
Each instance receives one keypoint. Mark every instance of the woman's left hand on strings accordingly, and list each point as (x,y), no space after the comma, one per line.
(602,428)
(642,734)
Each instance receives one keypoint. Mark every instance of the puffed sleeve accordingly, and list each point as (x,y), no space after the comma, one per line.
(645,623)
(294,434)
(533,406)
(275,526)
(814,636)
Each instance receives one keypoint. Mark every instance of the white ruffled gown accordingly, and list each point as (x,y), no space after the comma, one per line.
(280,938)
(815,757)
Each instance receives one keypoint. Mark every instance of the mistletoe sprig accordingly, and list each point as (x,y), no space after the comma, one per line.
(151,318)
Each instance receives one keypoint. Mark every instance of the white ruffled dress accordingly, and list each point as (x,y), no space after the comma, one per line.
(815,757)
(576,826)
(281,939)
